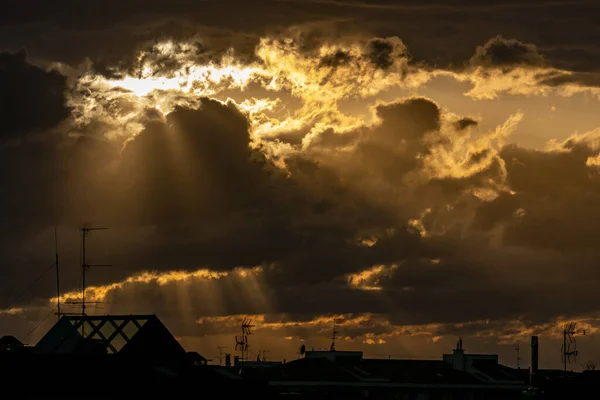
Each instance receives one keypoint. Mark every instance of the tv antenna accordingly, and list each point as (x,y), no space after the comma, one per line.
(221,354)
(335,332)
(568,349)
(84,265)
(241,343)
(517,348)
(590,365)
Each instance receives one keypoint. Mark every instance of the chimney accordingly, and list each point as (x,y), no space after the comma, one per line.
(458,356)
(534,360)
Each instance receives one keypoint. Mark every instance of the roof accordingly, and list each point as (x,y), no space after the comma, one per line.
(497,371)
(371,370)
(123,334)
(414,371)
(10,340)
(312,369)
(118,377)
(196,357)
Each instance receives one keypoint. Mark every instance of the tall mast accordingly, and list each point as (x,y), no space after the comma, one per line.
(84,265)
(57,272)
(84,232)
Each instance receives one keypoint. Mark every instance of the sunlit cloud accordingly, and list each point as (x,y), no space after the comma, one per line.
(12,311)
(99,293)
(170,74)
(374,329)
(370,279)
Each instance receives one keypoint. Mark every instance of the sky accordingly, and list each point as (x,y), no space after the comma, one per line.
(416,172)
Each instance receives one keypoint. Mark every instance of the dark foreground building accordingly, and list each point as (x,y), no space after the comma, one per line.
(347,375)
(117,356)
(113,357)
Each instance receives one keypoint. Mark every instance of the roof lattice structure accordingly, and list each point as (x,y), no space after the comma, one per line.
(109,333)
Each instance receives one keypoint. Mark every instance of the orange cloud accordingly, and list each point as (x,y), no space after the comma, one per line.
(99,293)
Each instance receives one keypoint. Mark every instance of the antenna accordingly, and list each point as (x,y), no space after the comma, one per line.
(57,272)
(242,343)
(84,267)
(569,350)
(247,327)
(590,365)
(517,348)
(221,353)
(332,348)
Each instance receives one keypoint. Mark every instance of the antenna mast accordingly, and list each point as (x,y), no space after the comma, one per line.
(84,265)
(517,348)
(242,343)
(569,347)
(335,332)
(57,272)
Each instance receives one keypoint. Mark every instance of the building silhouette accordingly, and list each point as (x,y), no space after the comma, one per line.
(135,355)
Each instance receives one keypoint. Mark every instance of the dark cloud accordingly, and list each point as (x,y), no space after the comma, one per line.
(212,199)
(393,148)
(415,117)
(437,33)
(31,99)
(340,57)
(465,123)
(329,139)
(552,207)
(501,52)
(382,52)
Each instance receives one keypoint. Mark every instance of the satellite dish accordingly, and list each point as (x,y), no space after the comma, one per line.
(302,349)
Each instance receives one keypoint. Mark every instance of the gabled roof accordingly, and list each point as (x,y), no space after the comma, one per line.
(123,334)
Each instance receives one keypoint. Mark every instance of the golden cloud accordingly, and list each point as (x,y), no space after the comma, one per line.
(99,293)
(369,279)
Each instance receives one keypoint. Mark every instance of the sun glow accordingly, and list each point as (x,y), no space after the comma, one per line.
(192,79)
(171,74)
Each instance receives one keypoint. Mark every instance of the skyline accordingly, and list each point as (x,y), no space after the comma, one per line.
(423,171)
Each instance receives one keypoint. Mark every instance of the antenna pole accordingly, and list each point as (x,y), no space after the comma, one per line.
(84,266)
(569,351)
(84,232)
(565,351)
(333,335)
(57,273)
